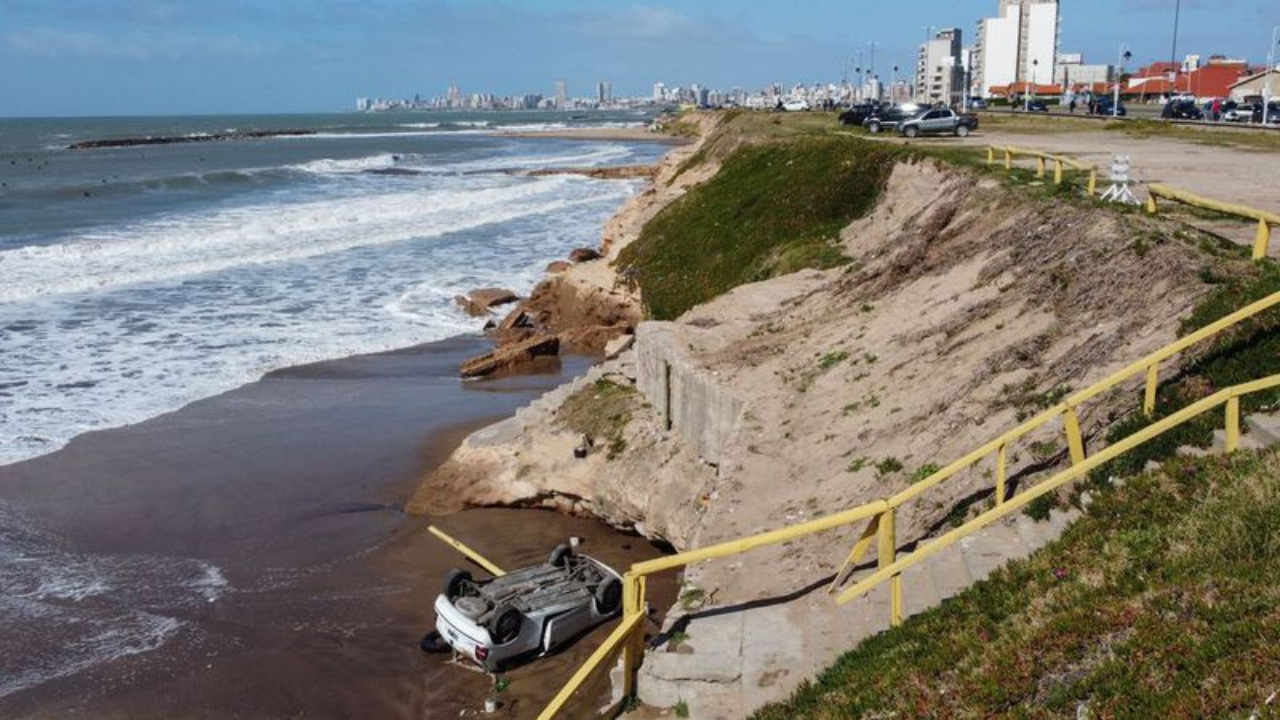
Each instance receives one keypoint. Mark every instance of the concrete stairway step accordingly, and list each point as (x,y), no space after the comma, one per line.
(1034,534)
(1264,428)
(949,573)
(918,589)
(988,550)
(1247,442)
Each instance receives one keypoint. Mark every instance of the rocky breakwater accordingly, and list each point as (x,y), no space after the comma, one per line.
(192,138)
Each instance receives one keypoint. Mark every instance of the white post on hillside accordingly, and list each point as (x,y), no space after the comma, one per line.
(1271,68)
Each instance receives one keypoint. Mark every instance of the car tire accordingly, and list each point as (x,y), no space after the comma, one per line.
(505,625)
(433,643)
(609,596)
(559,555)
(962,131)
(911,131)
(453,583)
(873,128)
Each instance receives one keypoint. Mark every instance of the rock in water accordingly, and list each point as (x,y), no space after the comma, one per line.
(558,266)
(479,303)
(511,356)
(582,255)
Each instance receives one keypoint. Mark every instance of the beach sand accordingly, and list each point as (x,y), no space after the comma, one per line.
(292,487)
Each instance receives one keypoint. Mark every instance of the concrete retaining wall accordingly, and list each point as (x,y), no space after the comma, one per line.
(689,399)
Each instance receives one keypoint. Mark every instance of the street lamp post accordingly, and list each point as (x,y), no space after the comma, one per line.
(1125,55)
(1271,68)
(1026,96)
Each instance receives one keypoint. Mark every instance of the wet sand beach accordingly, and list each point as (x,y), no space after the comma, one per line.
(260,533)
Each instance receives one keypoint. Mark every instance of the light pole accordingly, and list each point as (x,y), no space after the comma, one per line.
(1271,68)
(1173,54)
(1026,96)
(1125,55)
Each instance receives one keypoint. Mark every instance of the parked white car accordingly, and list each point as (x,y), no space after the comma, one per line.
(526,613)
(796,105)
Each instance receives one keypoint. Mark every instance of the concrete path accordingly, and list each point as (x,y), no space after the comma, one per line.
(731,661)
(727,662)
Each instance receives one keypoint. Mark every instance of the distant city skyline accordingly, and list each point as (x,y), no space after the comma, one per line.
(86,57)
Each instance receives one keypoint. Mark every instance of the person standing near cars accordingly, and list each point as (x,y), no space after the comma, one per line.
(1217,109)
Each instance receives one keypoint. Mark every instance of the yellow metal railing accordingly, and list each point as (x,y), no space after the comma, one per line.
(1262,239)
(881,514)
(1230,397)
(1060,163)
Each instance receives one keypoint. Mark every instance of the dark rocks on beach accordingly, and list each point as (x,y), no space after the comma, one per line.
(512,356)
(479,303)
(175,139)
(582,255)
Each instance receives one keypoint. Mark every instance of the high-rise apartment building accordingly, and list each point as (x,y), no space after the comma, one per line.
(562,94)
(1019,46)
(940,70)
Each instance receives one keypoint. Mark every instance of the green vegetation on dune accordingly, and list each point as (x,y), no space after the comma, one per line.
(1162,601)
(770,210)
(1249,352)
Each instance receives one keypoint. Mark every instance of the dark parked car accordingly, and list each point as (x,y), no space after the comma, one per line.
(1105,106)
(1273,115)
(1182,110)
(1036,106)
(889,118)
(856,114)
(977,103)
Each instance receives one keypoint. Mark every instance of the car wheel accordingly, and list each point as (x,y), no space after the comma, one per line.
(433,643)
(911,131)
(873,128)
(962,131)
(559,556)
(505,625)
(609,596)
(453,583)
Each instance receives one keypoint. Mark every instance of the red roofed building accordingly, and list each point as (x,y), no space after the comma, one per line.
(1214,80)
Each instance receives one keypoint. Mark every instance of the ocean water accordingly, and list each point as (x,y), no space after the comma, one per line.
(136,280)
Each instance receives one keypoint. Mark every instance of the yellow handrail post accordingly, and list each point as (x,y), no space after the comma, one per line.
(1008,158)
(1002,471)
(859,549)
(1149,398)
(1075,441)
(1039,167)
(888,554)
(1057,171)
(474,556)
(1152,209)
(633,646)
(1093,181)
(991,156)
(1233,424)
(1262,241)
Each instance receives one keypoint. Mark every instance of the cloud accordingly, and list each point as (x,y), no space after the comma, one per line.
(46,42)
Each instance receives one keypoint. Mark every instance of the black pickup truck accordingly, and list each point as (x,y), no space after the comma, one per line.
(939,121)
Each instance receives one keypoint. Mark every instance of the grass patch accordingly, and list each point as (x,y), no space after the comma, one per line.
(1256,139)
(601,411)
(1168,586)
(770,210)
(1249,352)
(923,472)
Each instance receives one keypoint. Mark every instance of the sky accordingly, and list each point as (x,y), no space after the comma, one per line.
(157,57)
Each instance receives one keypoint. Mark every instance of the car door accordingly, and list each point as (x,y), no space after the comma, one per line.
(929,121)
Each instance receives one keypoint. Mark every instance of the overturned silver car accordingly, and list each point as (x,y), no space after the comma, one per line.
(528,612)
